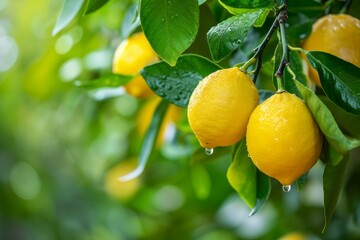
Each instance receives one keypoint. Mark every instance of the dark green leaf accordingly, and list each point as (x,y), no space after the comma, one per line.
(301,180)
(70,10)
(95,5)
(341,143)
(263,189)
(229,34)
(333,180)
(300,26)
(329,155)
(348,123)
(242,175)
(112,80)
(297,68)
(248,3)
(176,84)
(261,20)
(199,156)
(339,79)
(308,7)
(149,141)
(201,181)
(170,26)
(264,94)
(130,22)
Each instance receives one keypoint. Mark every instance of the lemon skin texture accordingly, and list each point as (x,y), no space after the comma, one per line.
(283,139)
(338,35)
(130,57)
(220,107)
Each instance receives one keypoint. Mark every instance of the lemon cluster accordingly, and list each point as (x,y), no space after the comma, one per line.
(283,139)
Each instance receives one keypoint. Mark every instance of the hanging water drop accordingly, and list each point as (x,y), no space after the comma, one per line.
(209,151)
(286,188)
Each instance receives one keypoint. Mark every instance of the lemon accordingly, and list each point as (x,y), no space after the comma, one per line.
(293,236)
(130,57)
(145,115)
(122,190)
(283,139)
(220,107)
(338,35)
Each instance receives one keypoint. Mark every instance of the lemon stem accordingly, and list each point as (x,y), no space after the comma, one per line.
(246,65)
(285,56)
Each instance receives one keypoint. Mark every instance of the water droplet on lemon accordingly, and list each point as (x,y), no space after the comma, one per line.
(286,188)
(209,151)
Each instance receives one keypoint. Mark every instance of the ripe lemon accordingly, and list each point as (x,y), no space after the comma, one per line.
(145,115)
(338,35)
(122,190)
(130,57)
(283,139)
(220,107)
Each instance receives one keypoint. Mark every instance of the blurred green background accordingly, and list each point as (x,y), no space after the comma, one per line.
(58,142)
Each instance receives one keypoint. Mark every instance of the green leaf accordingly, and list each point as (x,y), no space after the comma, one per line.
(199,156)
(248,3)
(297,68)
(176,84)
(300,182)
(261,20)
(70,10)
(228,35)
(130,22)
(341,143)
(300,27)
(111,80)
(263,189)
(149,141)
(264,94)
(95,5)
(308,7)
(348,123)
(339,79)
(201,181)
(170,26)
(333,180)
(242,175)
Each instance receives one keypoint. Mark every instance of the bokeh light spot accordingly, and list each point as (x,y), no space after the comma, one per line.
(8,53)
(25,181)
(64,44)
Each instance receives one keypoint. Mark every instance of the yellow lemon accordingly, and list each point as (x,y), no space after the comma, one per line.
(338,35)
(122,190)
(130,57)
(220,107)
(283,139)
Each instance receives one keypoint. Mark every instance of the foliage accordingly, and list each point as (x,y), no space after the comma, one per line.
(66,121)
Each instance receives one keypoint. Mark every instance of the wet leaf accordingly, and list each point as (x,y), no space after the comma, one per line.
(176,84)
(149,141)
(242,175)
(170,26)
(248,3)
(341,143)
(333,180)
(70,10)
(339,79)
(111,80)
(228,35)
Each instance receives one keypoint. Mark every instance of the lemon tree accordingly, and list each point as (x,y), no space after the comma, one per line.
(245,86)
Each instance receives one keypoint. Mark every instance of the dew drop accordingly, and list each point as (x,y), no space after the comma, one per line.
(286,188)
(209,151)
(249,156)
